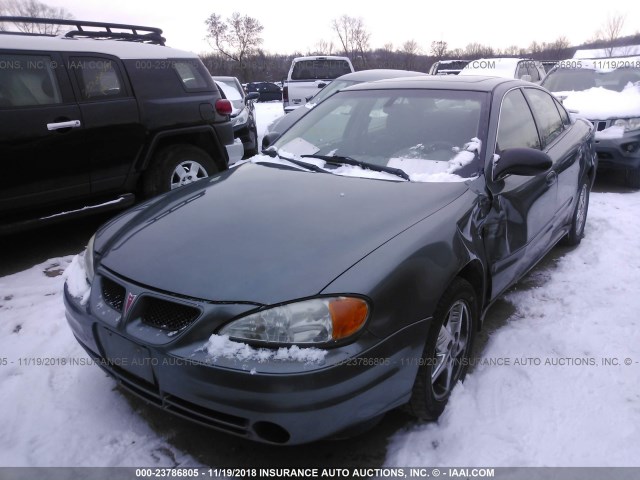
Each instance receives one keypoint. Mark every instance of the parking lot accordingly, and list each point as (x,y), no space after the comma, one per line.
(579,304)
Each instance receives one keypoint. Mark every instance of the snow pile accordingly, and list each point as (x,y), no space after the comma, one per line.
(610,133)
(601,104)
(59,409)
(571,408)
(221,346)
(76,277)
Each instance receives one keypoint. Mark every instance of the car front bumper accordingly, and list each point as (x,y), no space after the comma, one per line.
(619,153)
(278,402)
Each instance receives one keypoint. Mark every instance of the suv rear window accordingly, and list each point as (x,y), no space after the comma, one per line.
(319,69)
(191,76)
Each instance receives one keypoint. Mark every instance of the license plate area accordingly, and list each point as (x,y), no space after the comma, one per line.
(123,354)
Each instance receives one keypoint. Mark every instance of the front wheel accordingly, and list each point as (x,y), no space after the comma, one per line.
(579,219)
(176,166)
(446,355)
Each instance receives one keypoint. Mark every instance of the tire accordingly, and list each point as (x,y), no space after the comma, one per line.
(252,151)
(176,166)
(632,178)
(447,352)
(579,218)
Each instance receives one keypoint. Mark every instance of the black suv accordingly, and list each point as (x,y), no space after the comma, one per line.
(101,116)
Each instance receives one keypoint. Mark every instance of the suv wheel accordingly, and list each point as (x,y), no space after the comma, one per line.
(254,150)
(176,166)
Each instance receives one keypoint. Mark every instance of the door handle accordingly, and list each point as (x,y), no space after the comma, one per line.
(61,125)
(552,177)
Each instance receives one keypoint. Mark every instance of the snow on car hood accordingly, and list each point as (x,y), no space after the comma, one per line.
(264,233)
(602,104)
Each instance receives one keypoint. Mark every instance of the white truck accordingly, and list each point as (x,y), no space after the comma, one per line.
(309,74)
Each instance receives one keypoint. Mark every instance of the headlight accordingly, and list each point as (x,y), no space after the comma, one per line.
(241,118)
(88,260)
(629,124)
(321,320)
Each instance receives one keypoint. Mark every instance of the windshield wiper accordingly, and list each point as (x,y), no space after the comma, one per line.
(338,159)
(273,153)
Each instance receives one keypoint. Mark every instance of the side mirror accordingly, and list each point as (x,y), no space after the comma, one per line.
(268,139)
(521,161)
(252,96)
(322,85)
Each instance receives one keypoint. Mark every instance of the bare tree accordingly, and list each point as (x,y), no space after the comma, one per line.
(235,37)
(35,9)
(438,49)
(558,48)
(612,30)
(353,37)
(477,50)
(410,50)
(322,47)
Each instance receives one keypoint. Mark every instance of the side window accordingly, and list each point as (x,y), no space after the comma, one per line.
(98,78)
(516,128)
(546,114)
(28,80)
(190,75)
(563,113)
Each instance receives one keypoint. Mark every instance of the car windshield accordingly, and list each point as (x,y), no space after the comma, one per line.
(429,135)
(330,89)
(578,79)
(319,69)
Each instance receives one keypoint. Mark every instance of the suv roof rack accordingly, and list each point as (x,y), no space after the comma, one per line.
(136,33)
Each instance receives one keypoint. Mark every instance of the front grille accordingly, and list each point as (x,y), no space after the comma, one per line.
(600,125)
(113,294)
(167,315)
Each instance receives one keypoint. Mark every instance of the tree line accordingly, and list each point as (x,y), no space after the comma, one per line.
(237,48)
(237,44)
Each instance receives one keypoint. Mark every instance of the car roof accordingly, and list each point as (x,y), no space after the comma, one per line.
(442,82)
(118,48)
(378,74)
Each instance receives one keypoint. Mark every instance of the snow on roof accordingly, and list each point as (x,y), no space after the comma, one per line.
(608,52)
(118,48)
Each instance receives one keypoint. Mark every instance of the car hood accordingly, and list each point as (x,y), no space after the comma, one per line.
(263,233)
(602,104)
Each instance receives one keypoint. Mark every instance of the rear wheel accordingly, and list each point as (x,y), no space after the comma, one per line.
(579,219)
(176,166)
(446,355)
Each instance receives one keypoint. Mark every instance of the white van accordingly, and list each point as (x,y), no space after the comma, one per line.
(308,74)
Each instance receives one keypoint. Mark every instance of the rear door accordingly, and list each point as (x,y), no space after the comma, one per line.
(110,116)
(43,151)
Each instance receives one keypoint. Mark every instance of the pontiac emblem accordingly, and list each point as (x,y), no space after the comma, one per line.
(130,299)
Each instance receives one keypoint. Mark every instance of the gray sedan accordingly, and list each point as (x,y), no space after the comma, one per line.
(304,293)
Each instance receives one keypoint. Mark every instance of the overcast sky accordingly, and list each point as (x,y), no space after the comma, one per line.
(297,25)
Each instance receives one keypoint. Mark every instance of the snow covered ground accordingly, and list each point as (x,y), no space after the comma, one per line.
(568,410)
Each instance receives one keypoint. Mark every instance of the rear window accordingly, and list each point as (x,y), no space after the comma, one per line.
(192,77)
(320,69)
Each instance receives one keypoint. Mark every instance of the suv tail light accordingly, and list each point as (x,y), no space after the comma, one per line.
(223,106)
(285,93)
